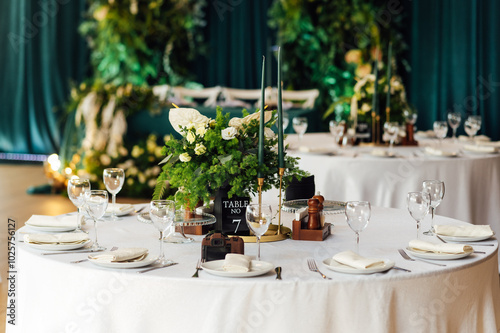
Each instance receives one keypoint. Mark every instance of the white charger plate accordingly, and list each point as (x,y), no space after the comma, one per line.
(438,256)
(51,229)
(256,268)
(133,264)
(120,212)
(58,247)
(465,239)
(341,268)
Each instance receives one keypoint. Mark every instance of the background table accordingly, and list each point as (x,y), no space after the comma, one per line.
(55,296)
(472,180)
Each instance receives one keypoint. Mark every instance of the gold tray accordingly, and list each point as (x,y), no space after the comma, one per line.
(270,235)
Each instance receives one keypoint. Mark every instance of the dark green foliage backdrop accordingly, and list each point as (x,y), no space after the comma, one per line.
(453,50)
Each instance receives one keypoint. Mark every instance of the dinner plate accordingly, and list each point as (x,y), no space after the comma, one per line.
(57,247)
(51,229)
(438,256)
(256,268)
(121,212)
(465,239)
(131,264)
(334,265)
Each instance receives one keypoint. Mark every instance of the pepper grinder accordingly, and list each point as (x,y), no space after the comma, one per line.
(314,222)
(321,199)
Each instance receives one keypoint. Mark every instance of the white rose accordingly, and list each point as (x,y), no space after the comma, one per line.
(268,133)
(201,129)
(229,133)
(184,157)
(200,149)
(238,122)
(190,137)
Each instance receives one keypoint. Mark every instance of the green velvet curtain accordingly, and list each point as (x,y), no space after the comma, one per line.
(42,52)
(454,57)
(238,36)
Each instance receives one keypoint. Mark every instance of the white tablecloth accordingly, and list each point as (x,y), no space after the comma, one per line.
(472,180)
(464,296)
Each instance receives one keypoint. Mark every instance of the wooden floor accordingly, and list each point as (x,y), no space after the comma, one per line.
(16,204)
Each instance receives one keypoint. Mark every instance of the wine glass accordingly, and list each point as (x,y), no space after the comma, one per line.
(358,214)
(76,192)
(391,130)
(113,178)
(472,125)
(440,130)
(454,119)
(418,206)
(300,126)
(96,202)
(162,213)
(258,218)
(410,115)
(286,120)
(436,190)
(337,130)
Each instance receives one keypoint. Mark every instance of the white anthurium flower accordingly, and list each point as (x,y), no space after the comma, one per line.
(229,133)
(268,133)
(184,157)
(182,117)
(190,137)
(200,149)
(238,122)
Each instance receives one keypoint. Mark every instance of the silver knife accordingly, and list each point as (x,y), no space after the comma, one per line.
(157,267)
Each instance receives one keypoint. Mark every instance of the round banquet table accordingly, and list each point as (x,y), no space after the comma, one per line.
(472,180)
(464,296)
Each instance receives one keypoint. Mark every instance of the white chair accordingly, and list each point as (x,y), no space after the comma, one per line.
(301,98)
(161,92)
(209,94)
(243,97)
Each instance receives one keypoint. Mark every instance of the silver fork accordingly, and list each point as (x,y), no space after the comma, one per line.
(407,257)
(114,248)
(198,267)
(314,268)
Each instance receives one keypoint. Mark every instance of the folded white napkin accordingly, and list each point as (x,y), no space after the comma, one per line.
(120,255)
(381,152)
(52,221)
(463,230)
(318,150)
(428,134)
(440,152)
(236,263)
(481,138)
(118,208)
(354,260)
(59,238)
(481,148)
(419,245)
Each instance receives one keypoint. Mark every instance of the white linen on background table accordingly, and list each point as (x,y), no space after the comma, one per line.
(55,296)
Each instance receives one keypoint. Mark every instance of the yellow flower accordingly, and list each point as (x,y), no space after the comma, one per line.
(365,107)
(353,57)
(200,149)
(201,129)
(363,70)
(100,13)
(184,157)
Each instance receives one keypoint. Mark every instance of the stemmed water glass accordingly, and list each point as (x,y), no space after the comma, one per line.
(391,130)
(113,178)
(96,202)
(454,119)
(76,192)
(436,190)
(162,213)
(358,214)
(472,125)
(440,130)
(418,206)
(337,130)
(286,120)
(258,218)
(300,126)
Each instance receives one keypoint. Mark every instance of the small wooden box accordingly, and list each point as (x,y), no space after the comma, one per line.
(310,235)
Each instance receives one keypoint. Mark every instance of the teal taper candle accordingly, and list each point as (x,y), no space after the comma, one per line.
(389,61)
(375,86)
(262,120)
(281,155)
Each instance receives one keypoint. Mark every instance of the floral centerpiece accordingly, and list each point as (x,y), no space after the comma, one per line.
(216,153)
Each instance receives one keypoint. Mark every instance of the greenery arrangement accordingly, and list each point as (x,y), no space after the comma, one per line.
(217,153)
(317,37)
